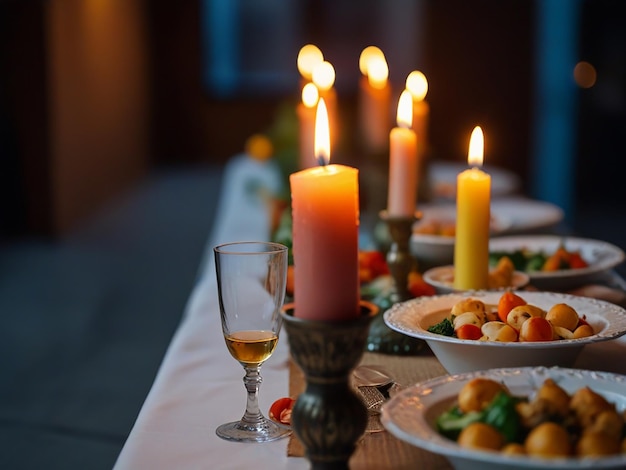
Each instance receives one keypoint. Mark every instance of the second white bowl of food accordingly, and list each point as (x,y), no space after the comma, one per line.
(414,317)
(530,254)
(412,414)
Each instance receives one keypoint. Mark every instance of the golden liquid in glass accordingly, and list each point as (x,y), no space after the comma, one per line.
(253,346)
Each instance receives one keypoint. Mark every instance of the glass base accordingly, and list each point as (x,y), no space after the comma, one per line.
(264,431)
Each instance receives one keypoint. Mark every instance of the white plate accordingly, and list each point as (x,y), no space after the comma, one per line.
(410,415)
(413,318)
(600,255)
(509,215)
(442,177)
(442,278)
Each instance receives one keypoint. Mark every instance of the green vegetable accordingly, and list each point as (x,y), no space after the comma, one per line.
(535,262)
(523,259)
(500,413)
(444,327)
(452,422)
(518,258)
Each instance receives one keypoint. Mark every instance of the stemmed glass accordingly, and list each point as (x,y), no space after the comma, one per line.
(251,281)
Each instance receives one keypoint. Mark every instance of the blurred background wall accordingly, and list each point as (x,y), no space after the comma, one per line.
(96,93)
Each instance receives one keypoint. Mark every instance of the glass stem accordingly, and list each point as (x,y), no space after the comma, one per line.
(252,380)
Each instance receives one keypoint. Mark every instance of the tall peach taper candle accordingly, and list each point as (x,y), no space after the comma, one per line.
(473,200)
(417,84)
(306,119)
(308,57)
(325,210)
(374,99)
(324,79)
(403,162)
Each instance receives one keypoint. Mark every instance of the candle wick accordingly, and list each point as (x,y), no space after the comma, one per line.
(321,161)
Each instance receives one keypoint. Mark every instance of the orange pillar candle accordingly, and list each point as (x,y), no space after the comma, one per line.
(306,119)
(325,210)
(473,200)
(403,162)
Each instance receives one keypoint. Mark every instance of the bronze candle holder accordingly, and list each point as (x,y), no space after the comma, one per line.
(328,417)
(399,258)
(401,262)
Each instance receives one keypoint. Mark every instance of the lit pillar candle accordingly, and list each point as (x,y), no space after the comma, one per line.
(374,99)
(325,210)
(306,119)
(417,84)
(324,78)
(473,199)
(402,161)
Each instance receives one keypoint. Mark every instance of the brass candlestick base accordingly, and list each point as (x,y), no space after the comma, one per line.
(399,258)
(328,417)
(401,262)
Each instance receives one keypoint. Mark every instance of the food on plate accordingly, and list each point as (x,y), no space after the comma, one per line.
(527,260)
(444,228)
(550,423)
(502,274)
(512,319)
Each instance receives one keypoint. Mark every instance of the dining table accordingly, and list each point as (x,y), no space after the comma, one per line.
(200,386)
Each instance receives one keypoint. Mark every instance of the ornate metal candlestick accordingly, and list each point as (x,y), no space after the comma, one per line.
(399,258)
(401,262)
(328,417)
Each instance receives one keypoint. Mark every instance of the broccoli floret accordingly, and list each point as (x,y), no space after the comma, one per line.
(444,327)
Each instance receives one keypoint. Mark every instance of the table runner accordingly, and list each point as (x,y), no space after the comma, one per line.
(379,450)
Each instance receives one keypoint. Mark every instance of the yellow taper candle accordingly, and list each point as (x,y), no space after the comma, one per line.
(473,200)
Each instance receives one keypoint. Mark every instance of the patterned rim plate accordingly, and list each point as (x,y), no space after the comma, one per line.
(410,414)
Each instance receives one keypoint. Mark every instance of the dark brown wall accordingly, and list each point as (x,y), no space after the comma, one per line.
(476,55)
(479,65)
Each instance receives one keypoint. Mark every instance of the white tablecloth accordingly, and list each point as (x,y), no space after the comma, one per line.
(200,386)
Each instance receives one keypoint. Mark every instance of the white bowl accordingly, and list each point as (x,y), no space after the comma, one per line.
(410,415)
(413,318)
(431,247)
(601,256)
(442,279)
(432,250)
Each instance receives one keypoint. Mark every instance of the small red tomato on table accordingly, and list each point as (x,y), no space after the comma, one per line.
(280,411)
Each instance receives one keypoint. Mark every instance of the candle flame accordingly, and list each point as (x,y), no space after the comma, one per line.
(310,95)
(476,147)
(324,75)
(405,110)
(308,57)
(322,134)
(366,56)
(417,84)
(378,72)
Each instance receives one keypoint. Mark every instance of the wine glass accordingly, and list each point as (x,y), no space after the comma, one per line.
(251,282)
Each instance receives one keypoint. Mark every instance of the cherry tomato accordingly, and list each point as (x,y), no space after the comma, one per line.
(280,410)
(576,261)
(468,331)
